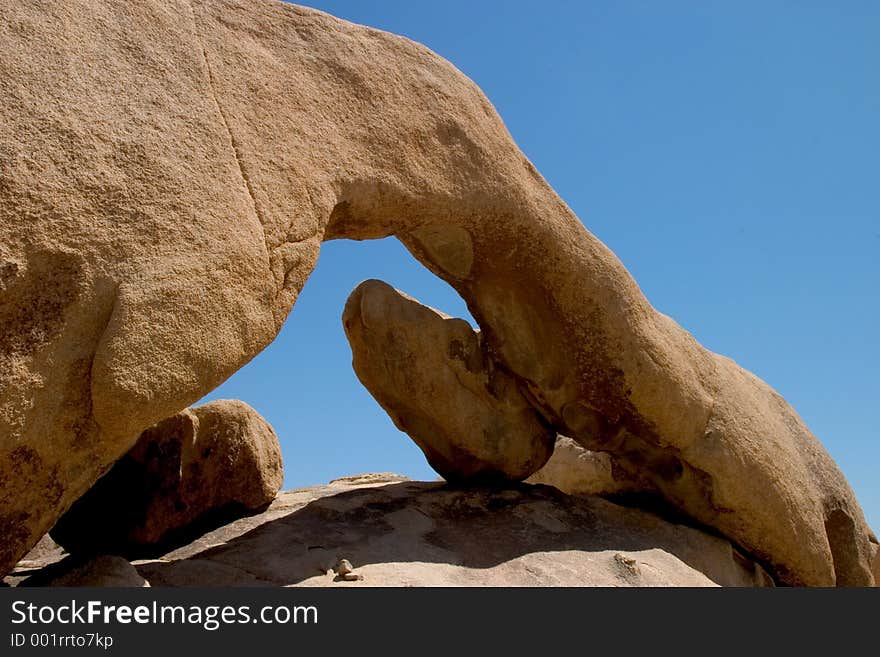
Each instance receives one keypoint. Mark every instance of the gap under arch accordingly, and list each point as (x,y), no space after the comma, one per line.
(303,383)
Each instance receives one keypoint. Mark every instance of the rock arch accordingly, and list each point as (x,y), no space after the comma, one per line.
(169,170)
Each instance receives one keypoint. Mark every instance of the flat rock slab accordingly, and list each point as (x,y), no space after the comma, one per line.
(101,571)
(396,532)
(427,534)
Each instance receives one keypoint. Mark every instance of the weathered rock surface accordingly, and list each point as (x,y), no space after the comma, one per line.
(394,532)
(167,172)
(876,565)
(432,374)
(45,552)
(578,471)
(428,534)
(201,468)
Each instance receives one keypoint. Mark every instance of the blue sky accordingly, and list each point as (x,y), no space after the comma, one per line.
(727,152)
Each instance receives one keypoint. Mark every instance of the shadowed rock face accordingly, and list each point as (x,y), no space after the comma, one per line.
(168,172)
(203,467)
(394,532)
(428,534)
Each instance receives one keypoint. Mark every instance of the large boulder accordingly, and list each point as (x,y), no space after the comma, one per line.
(432,374)
(201,468)
(167,173)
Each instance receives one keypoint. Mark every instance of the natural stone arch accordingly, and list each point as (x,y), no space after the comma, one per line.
(171,168)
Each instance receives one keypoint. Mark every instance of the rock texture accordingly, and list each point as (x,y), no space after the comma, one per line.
(578,471)
(45,552)
(201,468)
(167,172)
(387,531)
(432,374)
(876,565)
(428,534)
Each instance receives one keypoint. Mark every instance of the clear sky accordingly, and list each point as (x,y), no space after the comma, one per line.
(727,152)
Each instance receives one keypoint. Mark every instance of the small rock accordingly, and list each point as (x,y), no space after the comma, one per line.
(345,571)
(628,563)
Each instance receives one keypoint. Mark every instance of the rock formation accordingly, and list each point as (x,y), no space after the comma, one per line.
(578,471)
(386,531)
(198,469)
(876,566)
(167,173)
(433,376)
(374,317)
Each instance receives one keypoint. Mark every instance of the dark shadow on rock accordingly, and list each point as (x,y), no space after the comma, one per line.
(48,574)
(475,528)
(120,543)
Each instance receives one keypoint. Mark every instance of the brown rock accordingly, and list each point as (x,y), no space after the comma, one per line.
(203,467)
(167,172)
(578,471)
(876,565)
(433,376)
(345,572)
